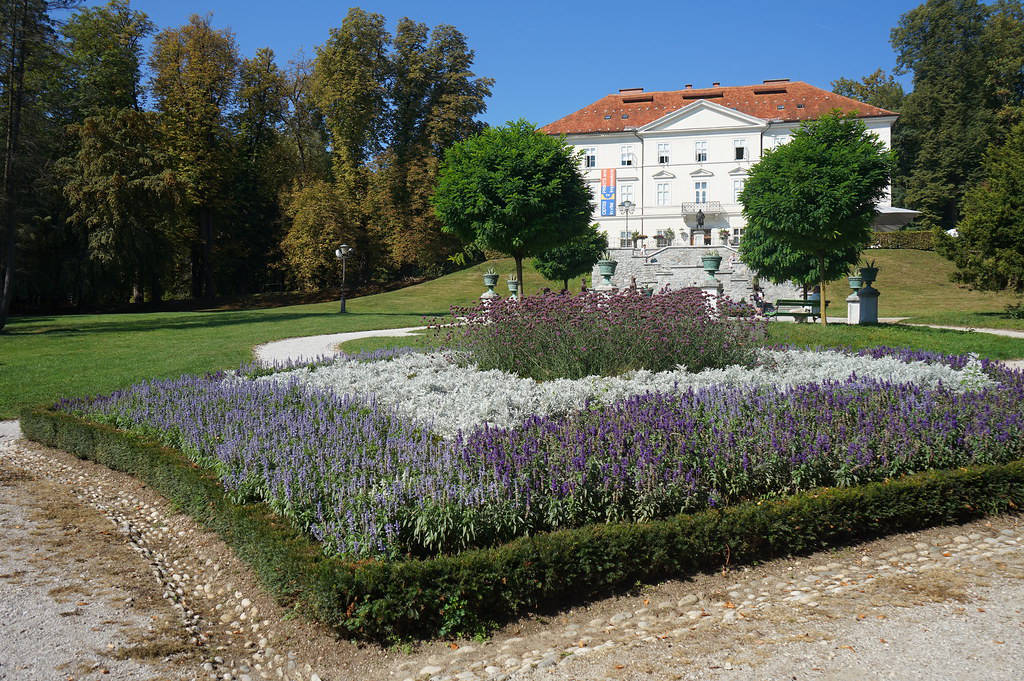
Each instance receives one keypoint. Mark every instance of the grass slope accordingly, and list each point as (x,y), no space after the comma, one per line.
(916,284)
(45,358)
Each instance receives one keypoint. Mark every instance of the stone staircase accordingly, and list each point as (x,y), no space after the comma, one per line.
(681,267)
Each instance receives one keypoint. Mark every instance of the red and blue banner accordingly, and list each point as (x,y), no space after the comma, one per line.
(607,192)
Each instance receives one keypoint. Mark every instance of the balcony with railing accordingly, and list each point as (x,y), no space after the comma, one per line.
(709,208)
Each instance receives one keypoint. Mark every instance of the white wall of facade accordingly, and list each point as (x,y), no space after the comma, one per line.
(700,142)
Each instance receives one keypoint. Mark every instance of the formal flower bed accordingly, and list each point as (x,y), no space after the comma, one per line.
(355,453)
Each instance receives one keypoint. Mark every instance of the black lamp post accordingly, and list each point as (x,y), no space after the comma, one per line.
(343,252)
(627,207)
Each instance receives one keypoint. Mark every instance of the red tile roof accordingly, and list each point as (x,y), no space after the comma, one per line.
(762,101)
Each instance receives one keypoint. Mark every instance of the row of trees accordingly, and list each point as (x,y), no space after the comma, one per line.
(959,135)
(219,173)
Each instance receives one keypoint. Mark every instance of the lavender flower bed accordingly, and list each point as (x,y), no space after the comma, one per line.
(367,481)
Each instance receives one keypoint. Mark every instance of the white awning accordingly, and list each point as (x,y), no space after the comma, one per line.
(890,219)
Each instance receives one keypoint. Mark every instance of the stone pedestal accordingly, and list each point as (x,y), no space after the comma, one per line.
(867,312)
(712,287)
(853,308)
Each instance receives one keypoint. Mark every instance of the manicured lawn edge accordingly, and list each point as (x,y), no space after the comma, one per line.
(475,590)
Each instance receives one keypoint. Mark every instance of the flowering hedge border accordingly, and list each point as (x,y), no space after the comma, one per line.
(475,590)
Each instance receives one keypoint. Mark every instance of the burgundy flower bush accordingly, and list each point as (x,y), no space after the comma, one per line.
(572,336)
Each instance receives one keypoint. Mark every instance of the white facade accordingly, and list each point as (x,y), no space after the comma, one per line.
(693,158)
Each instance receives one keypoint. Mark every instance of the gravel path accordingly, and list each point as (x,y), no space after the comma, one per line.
(941,604)
(997,332)
(311,347)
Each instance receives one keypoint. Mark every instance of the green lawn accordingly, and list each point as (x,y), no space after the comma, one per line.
(45,358)
(916,284)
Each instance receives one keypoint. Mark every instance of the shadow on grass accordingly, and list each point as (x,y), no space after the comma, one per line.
(207,320)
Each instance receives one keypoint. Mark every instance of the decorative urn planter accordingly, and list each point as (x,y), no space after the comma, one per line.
(855,282)
(513,288)
(490,281)
(606,268)
(711,263)
(868,275)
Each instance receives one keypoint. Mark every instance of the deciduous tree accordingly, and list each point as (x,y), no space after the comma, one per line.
(27,39)
(573,258)
(989,249)
(515,190)
(195,69)
(877,89)
(816,195)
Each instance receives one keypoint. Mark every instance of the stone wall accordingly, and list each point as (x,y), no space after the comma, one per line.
(680,267)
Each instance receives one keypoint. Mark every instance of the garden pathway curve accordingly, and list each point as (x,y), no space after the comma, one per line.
(311,347)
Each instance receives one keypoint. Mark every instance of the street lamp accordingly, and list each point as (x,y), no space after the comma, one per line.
(627,207)
(342,253)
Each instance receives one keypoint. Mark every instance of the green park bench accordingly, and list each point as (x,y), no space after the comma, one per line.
(797,308)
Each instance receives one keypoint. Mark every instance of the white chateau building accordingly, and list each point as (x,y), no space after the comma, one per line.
(670,166)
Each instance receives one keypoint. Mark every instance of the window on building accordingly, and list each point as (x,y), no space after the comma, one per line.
(663,152)
(590,157)
(663,194)
(625,240)
(701,151)
(661,239)
(741,149)
(626,155)
(737,188)
(700,190)
(626,194)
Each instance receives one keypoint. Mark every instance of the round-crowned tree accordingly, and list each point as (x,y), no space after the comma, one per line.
(813,199)
(513,189)
(573,258)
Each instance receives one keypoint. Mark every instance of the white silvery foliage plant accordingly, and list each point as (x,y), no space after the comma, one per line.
(447,398)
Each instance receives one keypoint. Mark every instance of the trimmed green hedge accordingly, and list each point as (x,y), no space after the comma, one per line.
(922,240)
(475,590)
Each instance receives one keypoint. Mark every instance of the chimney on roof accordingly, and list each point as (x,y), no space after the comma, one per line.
(688,86)
(776,80)
(630,90)
(716,84)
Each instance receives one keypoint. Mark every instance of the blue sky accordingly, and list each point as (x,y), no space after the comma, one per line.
(551,58)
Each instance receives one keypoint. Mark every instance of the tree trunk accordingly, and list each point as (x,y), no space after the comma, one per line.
(206,241)
(519,275)
(821,289)
(565,284)
(15,101)
(196,257)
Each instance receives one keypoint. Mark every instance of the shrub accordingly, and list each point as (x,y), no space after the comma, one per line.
(572,336)
(396,600)
(922,240)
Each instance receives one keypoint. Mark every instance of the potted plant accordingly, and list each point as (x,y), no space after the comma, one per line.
(669,235)
(855,280)
(490,281)
(606,266)
(868,272)
(723,234)
(711,261)
(513,286)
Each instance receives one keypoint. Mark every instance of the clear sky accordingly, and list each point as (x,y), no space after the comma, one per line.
(551,58)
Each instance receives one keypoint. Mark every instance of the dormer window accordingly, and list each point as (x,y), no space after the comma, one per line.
(700,151)
(663,152)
